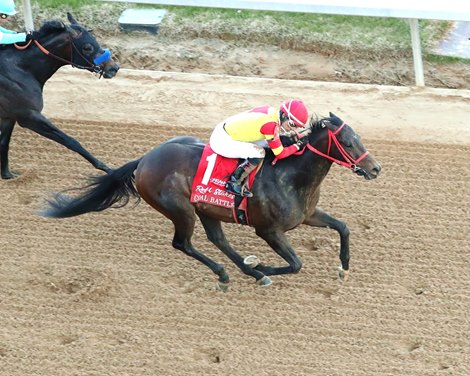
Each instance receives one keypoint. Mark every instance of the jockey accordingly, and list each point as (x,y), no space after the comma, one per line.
(238,137)
(7,9)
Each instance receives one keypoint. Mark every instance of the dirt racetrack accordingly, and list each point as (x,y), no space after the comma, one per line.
(105,294)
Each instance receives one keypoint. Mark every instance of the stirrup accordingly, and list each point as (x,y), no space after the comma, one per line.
(236,189)
(246,192)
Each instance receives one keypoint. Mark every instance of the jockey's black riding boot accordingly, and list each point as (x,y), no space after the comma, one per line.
(236,183)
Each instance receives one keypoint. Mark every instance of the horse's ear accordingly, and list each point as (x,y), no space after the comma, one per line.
(335,120)
(71,19)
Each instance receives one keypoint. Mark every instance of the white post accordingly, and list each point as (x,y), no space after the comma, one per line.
(28,15)
(417,57)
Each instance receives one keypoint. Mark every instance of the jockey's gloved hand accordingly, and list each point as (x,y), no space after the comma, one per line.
(288,140)
(31,35)
(302,143)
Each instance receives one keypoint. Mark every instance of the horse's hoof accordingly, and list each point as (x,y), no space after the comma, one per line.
(222,286)
(10,175)
(265,281)
(251,261)
(343,274)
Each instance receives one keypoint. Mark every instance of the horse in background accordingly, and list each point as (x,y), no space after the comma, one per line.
(25,69)
(285,196)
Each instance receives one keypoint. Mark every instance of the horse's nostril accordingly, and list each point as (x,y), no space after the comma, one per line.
(111,71)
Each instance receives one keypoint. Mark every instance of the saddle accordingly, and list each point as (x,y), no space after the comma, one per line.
(209,182)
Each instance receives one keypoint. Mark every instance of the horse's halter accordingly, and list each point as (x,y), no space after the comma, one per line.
(95,65)
(97,61)
(348,160)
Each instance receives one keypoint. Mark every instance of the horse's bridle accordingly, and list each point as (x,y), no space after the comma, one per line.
(95,65)
(348,161)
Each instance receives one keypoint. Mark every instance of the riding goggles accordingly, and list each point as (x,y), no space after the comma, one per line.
(103,58)
(4,16)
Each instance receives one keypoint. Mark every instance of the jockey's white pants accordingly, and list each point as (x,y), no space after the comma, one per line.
(223,144)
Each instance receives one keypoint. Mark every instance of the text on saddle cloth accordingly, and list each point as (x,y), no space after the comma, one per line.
(211,175)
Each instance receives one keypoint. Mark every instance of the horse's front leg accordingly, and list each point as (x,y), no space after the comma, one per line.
(277,240)
(38,123)
(6,129)
(322,219)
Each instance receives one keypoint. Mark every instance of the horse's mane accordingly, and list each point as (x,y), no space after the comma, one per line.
(50,27)
(317,122)
(47,28)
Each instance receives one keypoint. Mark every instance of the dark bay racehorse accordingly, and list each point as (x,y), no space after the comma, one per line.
(25,69)
(285,195)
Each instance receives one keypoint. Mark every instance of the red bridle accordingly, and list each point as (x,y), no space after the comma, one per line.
(349,161)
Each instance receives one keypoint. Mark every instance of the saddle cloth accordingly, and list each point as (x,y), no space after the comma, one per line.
(211,175)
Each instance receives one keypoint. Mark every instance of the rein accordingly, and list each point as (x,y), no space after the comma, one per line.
(96,68)
(348,161)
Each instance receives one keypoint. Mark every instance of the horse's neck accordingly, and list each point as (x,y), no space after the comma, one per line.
(41,64)
(43,69)
(313,164)
(302,174)
(310,170)
(314,169)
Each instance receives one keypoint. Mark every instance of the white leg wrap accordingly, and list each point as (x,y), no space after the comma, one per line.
(343,274)
(265,281)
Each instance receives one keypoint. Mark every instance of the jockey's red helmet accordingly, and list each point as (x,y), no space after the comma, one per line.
(296,111)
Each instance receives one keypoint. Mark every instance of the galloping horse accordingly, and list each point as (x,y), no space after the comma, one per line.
(285,195)
(25,69)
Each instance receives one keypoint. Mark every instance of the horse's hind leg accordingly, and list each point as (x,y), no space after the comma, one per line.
(216,235)
(6,129)
(184,228)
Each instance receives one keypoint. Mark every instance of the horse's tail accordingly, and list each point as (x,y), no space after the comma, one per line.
(103,192)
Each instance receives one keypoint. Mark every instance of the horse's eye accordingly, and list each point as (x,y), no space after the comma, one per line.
(88,49)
